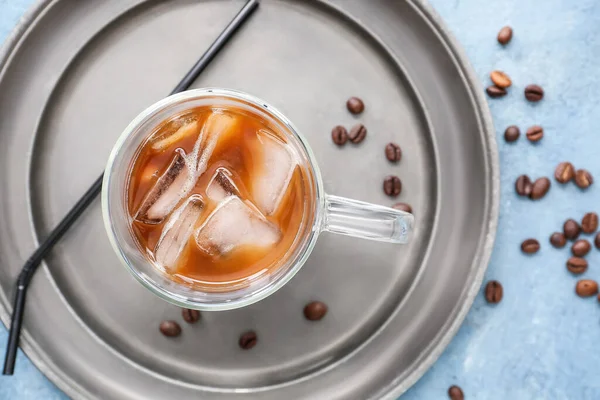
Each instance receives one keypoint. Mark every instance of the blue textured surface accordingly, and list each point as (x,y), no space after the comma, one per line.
(542,341)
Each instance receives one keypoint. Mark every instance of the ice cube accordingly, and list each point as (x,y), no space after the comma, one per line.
(187,129)
(183,172)
(235,223)
(149,173)
(172,186)
(222,185)
(272,171)
(177,231)
(218,127)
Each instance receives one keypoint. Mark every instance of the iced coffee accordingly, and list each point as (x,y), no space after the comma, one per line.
(216,195)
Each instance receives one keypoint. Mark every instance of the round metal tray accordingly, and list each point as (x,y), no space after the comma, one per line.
(75,73)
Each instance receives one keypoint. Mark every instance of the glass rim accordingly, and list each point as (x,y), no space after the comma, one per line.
(270,287)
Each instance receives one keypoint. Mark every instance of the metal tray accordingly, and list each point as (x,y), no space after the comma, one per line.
(73,75)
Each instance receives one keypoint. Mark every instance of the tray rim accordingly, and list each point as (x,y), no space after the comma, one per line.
(487,131)
(486,245)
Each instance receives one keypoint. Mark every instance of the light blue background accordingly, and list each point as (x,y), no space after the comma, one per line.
(542,341)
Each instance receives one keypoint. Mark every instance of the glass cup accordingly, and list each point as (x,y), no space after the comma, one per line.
(324,213)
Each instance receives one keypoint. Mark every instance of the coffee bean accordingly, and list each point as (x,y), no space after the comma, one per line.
(523,185)
(248,340)
(589,223)
(315,310)
(190,316)
(564,172)
(512,133)
(495,91)
(357,133)
(586,288)
(558,240)
(535,133)
(500,79)
(493,292)
(339,135)
(170,328)
(355,105)
(455,393)
(534,93)
(577,265)
(540,188)
(530,246)
(597,241)
(505,35)
(403,207)
(583,179)
(393,152)
(599,298)
(571,229)
(392,185)
(581,247)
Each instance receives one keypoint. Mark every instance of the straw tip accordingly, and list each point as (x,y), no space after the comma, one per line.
(9,369)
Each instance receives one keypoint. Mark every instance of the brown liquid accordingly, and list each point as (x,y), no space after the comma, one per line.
(238,151)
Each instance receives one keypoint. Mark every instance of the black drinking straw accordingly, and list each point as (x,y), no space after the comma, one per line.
(36,258)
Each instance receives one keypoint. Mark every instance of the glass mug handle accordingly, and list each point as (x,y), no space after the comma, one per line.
(365,220)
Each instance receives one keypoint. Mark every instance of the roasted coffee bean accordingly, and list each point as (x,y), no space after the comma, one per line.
(534,93)
(357,133)
(540,188)
(586,288)
(393,152)
(455,393)
(248,340)
(558,240)
(564,172)
(589,222)
(535,133)
(512,133)
(392,185)
(505,35)
(577,265)
(583,179)
(597,241)
(190,316)
(493,292)
(571,229)
(500,79)
(581,247)
(339,135)
(315,310)
(170,328)
(523,185)
(355,105)
(530,246)
(495,91)
(403,207)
